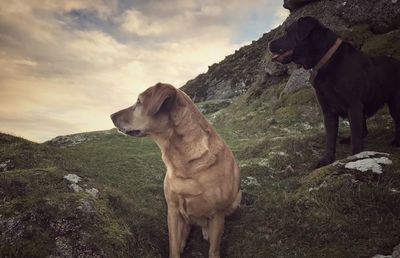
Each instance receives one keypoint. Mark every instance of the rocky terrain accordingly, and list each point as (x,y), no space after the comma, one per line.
(100,194)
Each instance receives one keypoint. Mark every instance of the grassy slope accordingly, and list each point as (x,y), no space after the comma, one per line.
(356,215)
(278,218)
(41,216)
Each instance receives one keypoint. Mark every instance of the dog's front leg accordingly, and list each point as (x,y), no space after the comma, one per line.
(331,122)
(215,230)
(173,232)
(356,117)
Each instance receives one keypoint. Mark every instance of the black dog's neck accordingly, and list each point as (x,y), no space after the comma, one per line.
(330,40)
(323,46)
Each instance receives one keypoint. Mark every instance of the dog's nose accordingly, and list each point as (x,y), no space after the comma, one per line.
(112,116)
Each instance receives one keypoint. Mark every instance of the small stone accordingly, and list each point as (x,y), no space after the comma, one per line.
(85,205)
(322,185)
(249,180)
(73,178)
(75,187)
(6,165)
(93,192)
(394,190)
(289,170)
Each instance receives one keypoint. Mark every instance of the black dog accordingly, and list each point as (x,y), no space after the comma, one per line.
(347,82)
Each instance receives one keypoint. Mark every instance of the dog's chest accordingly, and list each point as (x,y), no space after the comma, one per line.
(196,206)
(193,198)
(332,97)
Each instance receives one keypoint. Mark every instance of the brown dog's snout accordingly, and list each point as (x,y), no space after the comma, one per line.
(122,116)
(114,117)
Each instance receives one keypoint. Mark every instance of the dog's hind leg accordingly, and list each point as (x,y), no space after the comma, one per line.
(394,108)
(356,118)
(347,140)
(185,230)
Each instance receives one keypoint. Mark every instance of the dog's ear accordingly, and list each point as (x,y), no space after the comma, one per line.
(304,27)
(160,97)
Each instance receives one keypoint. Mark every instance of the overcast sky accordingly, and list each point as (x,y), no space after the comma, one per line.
(65,66)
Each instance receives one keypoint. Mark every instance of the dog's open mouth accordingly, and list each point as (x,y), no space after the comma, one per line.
(281,56)
(135,133)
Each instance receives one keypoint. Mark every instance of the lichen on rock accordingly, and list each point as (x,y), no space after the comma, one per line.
(73,178)
(367,161)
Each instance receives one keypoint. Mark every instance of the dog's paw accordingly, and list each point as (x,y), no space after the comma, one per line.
(323,162)
(346,140)
(395,143)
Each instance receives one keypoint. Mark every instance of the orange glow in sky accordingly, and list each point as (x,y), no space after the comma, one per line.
(66,65)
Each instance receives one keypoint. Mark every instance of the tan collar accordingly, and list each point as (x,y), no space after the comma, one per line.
(325,58)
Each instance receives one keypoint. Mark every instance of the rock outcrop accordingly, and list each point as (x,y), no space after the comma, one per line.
(235,74)
(294,4)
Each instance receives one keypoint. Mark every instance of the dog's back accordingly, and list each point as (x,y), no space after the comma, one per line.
(382,82)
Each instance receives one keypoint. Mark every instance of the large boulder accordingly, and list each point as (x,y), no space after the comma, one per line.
(298,79)
(293,4)
(381,15)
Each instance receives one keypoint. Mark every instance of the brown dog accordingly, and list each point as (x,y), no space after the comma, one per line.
(202,182)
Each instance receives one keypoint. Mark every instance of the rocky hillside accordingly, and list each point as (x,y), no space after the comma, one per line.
(374,26)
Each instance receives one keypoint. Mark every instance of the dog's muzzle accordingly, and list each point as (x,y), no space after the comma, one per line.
(135,133)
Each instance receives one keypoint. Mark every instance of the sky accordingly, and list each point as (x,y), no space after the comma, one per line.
(66,65)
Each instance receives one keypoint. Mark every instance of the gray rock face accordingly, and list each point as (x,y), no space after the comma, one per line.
(293,4)
(298,79)
(381,15)
(234,75)
(275,69)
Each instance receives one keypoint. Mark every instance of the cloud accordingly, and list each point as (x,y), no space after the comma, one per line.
(66,65)
(135,22)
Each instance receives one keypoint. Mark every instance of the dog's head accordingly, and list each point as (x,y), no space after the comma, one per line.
(150,113)
(301,44)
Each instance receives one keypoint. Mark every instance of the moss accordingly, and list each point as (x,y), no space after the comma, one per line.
(357,34)
(301,97)
(212,106)
(384,44)
(287,112)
